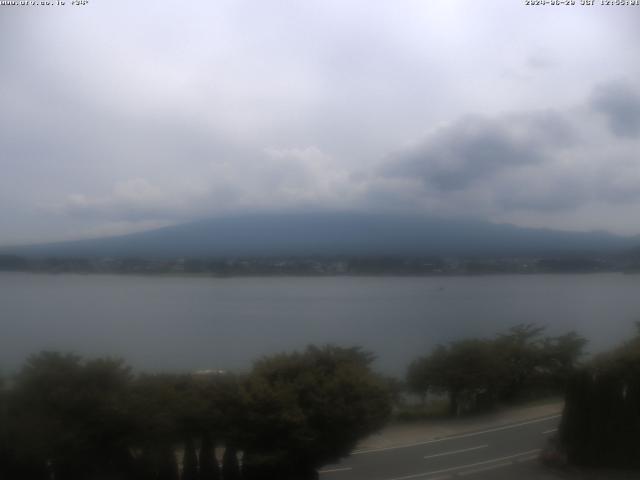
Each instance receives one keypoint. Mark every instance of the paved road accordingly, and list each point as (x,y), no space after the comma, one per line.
(503,452)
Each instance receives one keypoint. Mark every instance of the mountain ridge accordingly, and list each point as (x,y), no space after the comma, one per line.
(335,234)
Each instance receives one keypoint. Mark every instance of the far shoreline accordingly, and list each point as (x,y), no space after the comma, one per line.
(312,275)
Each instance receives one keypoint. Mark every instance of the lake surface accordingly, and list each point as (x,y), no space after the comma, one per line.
(182,323)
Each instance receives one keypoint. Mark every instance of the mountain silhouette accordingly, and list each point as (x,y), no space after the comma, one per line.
(336,234)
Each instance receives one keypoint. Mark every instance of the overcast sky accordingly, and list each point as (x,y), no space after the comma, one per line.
(122,115)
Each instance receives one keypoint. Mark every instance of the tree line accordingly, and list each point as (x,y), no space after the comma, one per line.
(601,420)
(476,374)
(66,418)
(320,265)
(63,417)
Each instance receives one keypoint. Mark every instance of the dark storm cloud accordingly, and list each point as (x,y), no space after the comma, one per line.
(474,148)
(620,103)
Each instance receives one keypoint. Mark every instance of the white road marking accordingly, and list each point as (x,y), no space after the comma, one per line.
(462,467)
(547,432)
(527,458)
(485,469)
(455,437)
(334,470)
(453,452)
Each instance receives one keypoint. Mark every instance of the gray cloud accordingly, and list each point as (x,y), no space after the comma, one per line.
(516,166)
(125,115)
(620,103)
(474,148)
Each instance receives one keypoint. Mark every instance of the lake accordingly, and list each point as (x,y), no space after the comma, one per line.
(188,323)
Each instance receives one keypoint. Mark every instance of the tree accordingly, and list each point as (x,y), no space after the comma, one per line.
(6,453)
(560,357)
(220,407)
(520,351)
(209,468)
(306,409)
(230,466)
(189,461)
(419,378)
(601,420)
(164,411)
(71,416)
(475,373)
(16,458)
(167,466)
(72,419)
(468,371)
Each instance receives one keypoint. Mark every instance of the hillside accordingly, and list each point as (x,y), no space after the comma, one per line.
(335,234)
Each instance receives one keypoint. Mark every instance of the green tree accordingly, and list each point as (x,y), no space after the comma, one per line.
(230,465)
(469,371)
(167,465)
(532,360)
(209,468)
(158,406)
(6,449)
(303,410)
(561,355)
(475,373)
(16,458)
(520,351)
(419,378)
(220,406)
(71,415)
(601,421)
(189,461)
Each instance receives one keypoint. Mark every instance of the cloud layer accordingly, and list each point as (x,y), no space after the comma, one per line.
(620,103)
(537,167)
(118,117)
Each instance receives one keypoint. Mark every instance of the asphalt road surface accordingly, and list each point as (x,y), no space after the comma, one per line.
(502,452)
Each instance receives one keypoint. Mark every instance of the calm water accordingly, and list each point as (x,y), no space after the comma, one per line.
(193,323)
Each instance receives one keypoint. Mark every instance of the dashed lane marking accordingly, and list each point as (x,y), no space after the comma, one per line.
(469,465)
(335,470)
(453,452)
(456,437)
(484,469)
